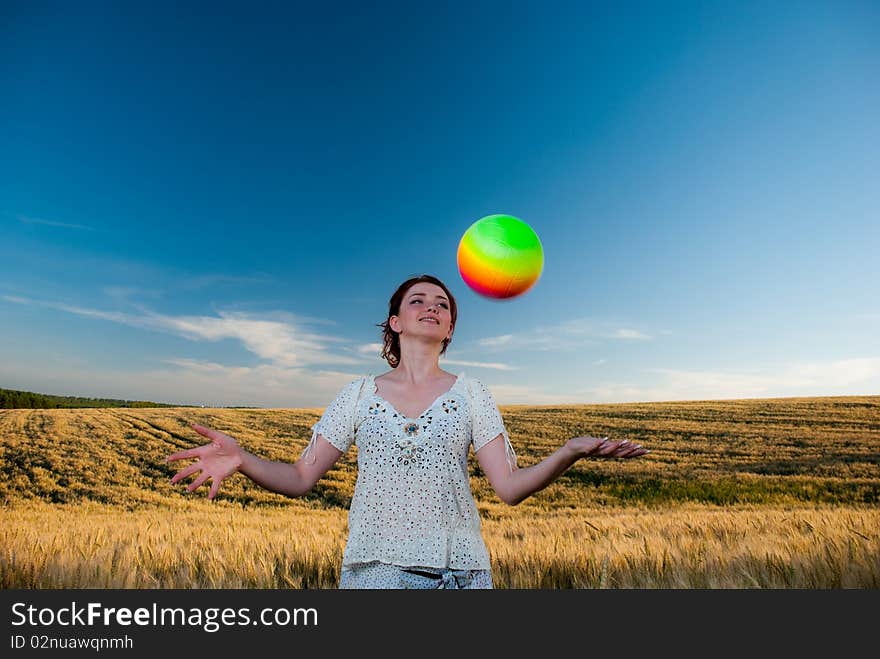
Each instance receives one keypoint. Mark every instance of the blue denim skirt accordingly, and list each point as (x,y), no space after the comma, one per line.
(384,576)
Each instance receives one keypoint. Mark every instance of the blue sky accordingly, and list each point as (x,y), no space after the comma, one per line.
(213,205)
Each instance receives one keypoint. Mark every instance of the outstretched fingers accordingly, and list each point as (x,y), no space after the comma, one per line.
(608,448)
(210,433)
(197,482)
(183,455)
(630,451)
(599,445)
(186,471)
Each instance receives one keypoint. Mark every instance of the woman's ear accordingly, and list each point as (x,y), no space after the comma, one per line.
(394,324)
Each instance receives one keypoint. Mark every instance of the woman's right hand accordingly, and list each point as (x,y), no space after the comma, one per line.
(218,460)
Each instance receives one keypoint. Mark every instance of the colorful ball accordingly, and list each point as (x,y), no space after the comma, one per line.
(500,256)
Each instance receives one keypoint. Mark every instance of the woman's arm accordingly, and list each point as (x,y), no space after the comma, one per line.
(292,480)
(223,457)
(514,486)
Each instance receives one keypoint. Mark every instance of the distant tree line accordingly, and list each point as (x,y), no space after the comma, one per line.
(11,399)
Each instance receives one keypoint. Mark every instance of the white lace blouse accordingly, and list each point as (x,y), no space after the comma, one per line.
(412,503)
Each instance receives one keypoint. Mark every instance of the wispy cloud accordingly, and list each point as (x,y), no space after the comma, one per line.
(845,377)
(264,385)
(827,375)
(563,336)
(513,394)
(373,349)
(630,334)
(497,341)
(280,341)
(497,366)
(51,223)
(15,299)
(184,382)
(211,368)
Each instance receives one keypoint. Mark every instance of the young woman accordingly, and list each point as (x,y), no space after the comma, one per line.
(413,522)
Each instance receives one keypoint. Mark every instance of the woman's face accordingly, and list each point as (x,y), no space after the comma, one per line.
(424,311)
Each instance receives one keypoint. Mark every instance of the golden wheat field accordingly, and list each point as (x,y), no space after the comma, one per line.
(765,493)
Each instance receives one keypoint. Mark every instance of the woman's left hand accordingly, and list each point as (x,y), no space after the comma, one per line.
(605,448)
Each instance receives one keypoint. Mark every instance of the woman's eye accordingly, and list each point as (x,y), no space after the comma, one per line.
(442,304)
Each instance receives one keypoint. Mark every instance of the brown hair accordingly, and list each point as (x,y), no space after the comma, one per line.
(391,339)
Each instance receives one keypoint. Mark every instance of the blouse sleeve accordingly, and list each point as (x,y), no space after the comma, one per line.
(337,424)
(486,421)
